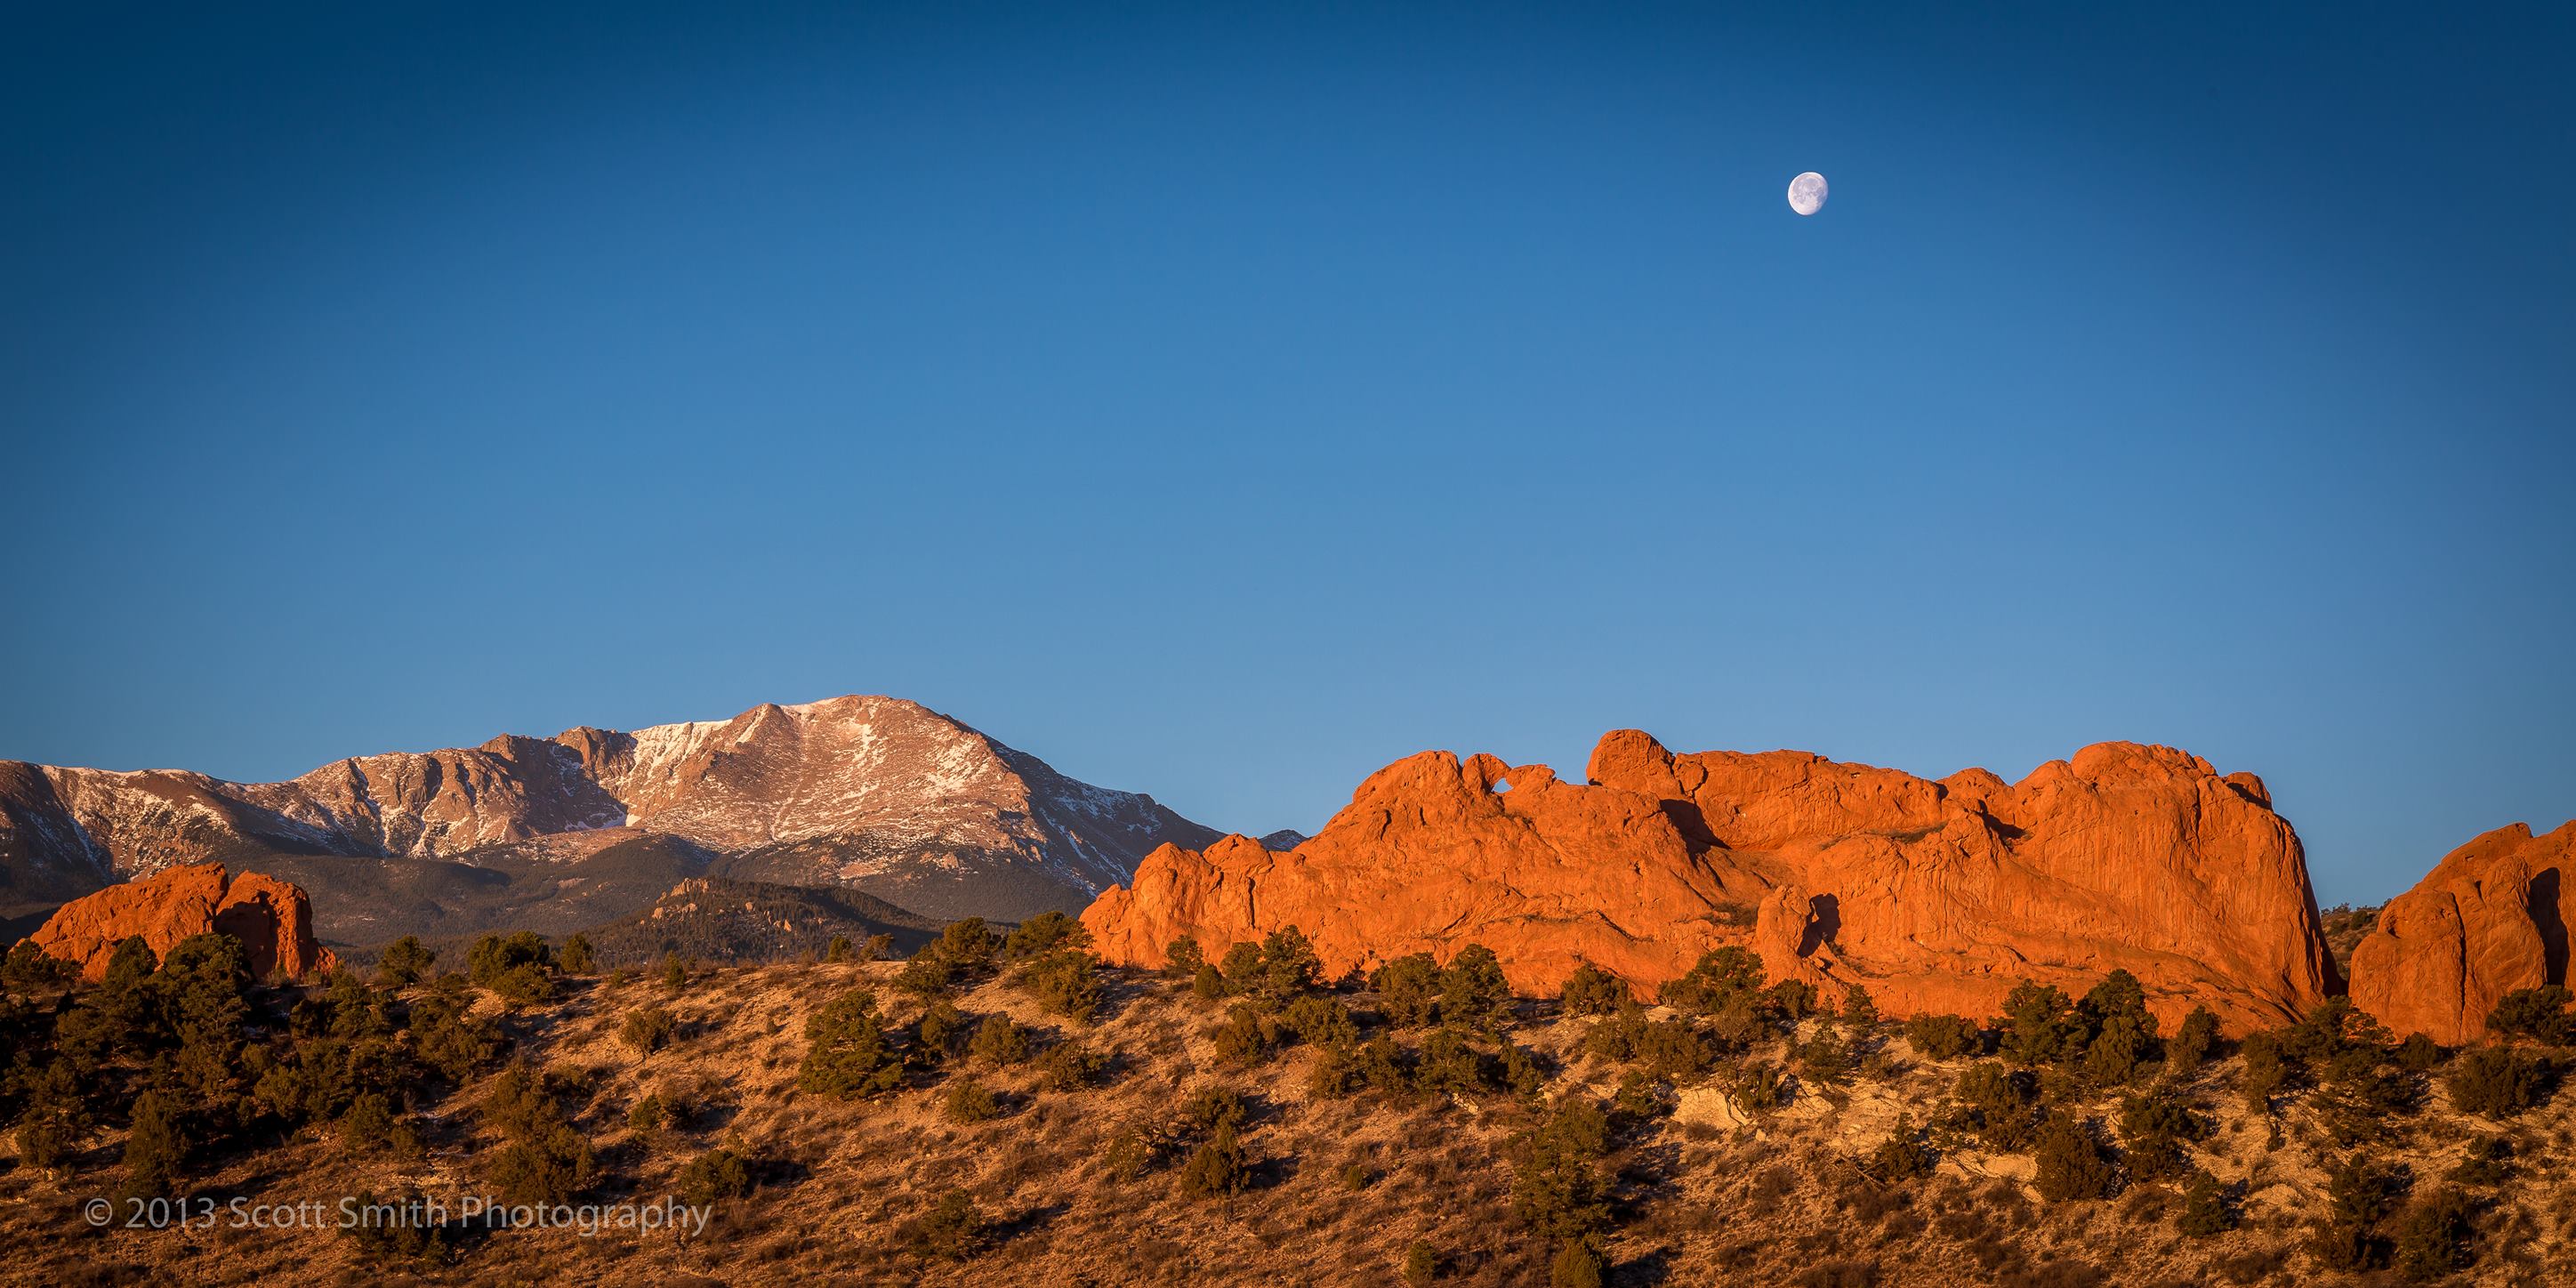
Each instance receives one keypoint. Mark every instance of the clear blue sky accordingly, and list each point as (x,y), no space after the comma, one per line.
(1222,404)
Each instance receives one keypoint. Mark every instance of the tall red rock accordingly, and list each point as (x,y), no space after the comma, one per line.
(271,918)
(2492,917)
(1938,895)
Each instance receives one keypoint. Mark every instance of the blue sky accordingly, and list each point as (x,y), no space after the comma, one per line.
(1223,403)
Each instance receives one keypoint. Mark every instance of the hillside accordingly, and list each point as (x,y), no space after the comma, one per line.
(1417,1136)
(874,793)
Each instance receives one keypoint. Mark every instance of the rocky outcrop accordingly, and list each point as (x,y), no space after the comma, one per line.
(874,792)
(1938,895)
(2492,917)
(271,919)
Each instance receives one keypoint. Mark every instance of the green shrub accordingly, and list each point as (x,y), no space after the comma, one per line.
(1719,976)
(1182,959)
(2432,1238)
(2539,1014)
(1066,981)
(1042,934)
(1218,1168)
(1591,990)
(940,1032)
(577,957)
(1576,1266)
(2040,1026)
(1757,1089)
(968,1101)
(1212,1107)
(1558,1186)
(1421,1265)
(2192,1044)
(1860,1010)
(714,1176)
(2498,1083)
(547,1167)
(1070,1066)
(493,955)
(846,1052)
(1246,1037)
(839,950)
(647,1030)
(1320,1021)
(1473,991)
(156,1146)
(522,985)
(2207,1208)
(1825,1058)
(1289,966)
(404,962)
(2072,1166)
(998,1042)
(1904,1155)
(1207,983)
(968,945)
(2486,1163)
(2003,1101)
(1941,1037)
(1447,1066)
(951,1230)
(1408,989)
(1242,969)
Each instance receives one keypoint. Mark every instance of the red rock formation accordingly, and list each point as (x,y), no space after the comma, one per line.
(1937,895)
(2490,918)
(269,917)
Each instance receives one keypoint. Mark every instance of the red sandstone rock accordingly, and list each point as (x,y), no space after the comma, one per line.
(1936,895)
(270,917)
(2490,918)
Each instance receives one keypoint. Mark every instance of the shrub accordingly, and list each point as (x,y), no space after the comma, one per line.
(156,1146)
(2154,1128)
(1591,990)
(1718,977)
(404,962)
(2207,1209)
(2071,1163)
(1521,1072)
(368,1124)
(2358,1197)
(1421,1265)
(1289,966)
(939,1031)
(1558,1189)
(2004,1102)
(968,945)
(1576,1266)
(577,957)
(1903,1156)
(2486,1163)
(1242,968)
(1183,958)
(951,1230)
(546,1167)
(2192,1044)
(522,985)
(651,1113)
(2432,1239)
(493,955)
(647,1030)
(714,1176)
(1825,1057)
(1320,1021)
(675,973)
(1860,1010)
(928,974)
(2040,1026)
(1246,1037)
(998,1042)
(1070,1066)
(2539,1014)
(1207,983)
(968,1101)
(2498,1083)
(1757,1089)
(846,1052)
(1472,988)
(1211,1108)
(1218,1168)
(2418,1054)
(1043,934)
(840,950)
(1066,981)
(1940,1037)
(1447,1066)
(1408,989)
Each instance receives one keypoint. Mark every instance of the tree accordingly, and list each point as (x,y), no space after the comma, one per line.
(2539,1014)
(1757,1089)
(1719,976)
(1246,1036)
(2206,1208)
(1940,1037)
(2003,1101)
(998,1042)
(577,958)
(1183,958)
(1218,1168)
(1242,968)
(969,944)
(1558,1189)
(647,1030)
(1472,988)
(2154,1127)
(969,1102)
(1591,990)
(29,969)
(1904,1155)
(1320,1021)
(1576,1266)
(404,962)
(2498,1083)
(2432,1240)
(156,1147)
(2192,1044)
(2040,1026)
(1066,981)
(492,955)
(1043,934)
(1860,1010)
(840,950)
(1448,1066)
(714,1176)
(1289,966)
(2072,1165)
(675,973)
(951,1230)
(1408,989)
(1070,1066)
(846,1053)
(939,1031)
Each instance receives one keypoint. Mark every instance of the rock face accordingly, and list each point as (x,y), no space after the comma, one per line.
(271,919)
(2490,918)
(1938,895)
(874,792)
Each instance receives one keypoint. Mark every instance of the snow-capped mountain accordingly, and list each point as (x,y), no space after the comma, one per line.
(873,792)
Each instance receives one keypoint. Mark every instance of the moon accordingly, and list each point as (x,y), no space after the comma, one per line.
(1807,193)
